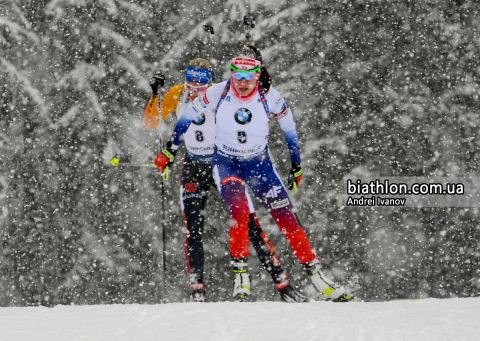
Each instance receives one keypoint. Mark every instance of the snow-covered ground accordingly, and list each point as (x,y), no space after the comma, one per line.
(429,319)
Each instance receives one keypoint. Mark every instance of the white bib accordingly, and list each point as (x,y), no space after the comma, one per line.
(242,127)
(200,136)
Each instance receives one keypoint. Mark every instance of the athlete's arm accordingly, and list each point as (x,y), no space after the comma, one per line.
(201,104)
(285,118)
(170,100)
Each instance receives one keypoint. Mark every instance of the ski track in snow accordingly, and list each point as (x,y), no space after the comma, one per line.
(428,319)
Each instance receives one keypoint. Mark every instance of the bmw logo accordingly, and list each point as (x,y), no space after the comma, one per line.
(199,120)
(243,116)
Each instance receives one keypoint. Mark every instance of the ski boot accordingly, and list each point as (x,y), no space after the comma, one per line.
(197,290)
(324,285)
(241,287)
(287,292)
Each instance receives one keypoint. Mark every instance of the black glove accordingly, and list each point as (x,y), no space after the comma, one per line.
(157,81)
(294,177)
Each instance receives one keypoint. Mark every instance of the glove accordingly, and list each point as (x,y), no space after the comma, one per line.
(294,177)
(165,159)
(157,81)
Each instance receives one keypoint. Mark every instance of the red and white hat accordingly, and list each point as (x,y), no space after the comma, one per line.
(243,63)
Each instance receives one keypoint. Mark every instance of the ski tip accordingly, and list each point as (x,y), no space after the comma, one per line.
(240,298)
(344,298)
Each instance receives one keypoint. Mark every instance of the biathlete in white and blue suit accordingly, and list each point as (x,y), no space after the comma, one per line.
(243,106)
(196,181)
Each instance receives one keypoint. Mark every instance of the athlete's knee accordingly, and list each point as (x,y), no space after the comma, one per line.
(193,191)
(289,230)
(240,220)
(194,227)
(233,185)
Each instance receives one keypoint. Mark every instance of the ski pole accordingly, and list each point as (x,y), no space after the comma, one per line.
(116,163)
(164,253)
(249,20)
(208,28)
(164,243)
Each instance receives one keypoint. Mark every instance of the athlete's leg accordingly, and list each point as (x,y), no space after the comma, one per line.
(232,191)
(266,253)
(261,242)
(194,193)
(264,247)
(267,186)
(265,183)
(269,258)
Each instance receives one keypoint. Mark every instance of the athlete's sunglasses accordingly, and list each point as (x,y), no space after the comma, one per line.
(248,75)
(196,88)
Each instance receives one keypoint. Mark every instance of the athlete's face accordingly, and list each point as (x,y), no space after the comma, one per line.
(243,87)
(195,88)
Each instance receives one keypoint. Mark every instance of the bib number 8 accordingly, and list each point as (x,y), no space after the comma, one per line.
(199,136)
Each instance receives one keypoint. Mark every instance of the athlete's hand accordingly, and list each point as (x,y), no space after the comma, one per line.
(294,177)
(157,81)
(164,160)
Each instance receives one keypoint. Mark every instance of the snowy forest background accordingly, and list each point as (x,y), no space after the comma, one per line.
(384,88)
